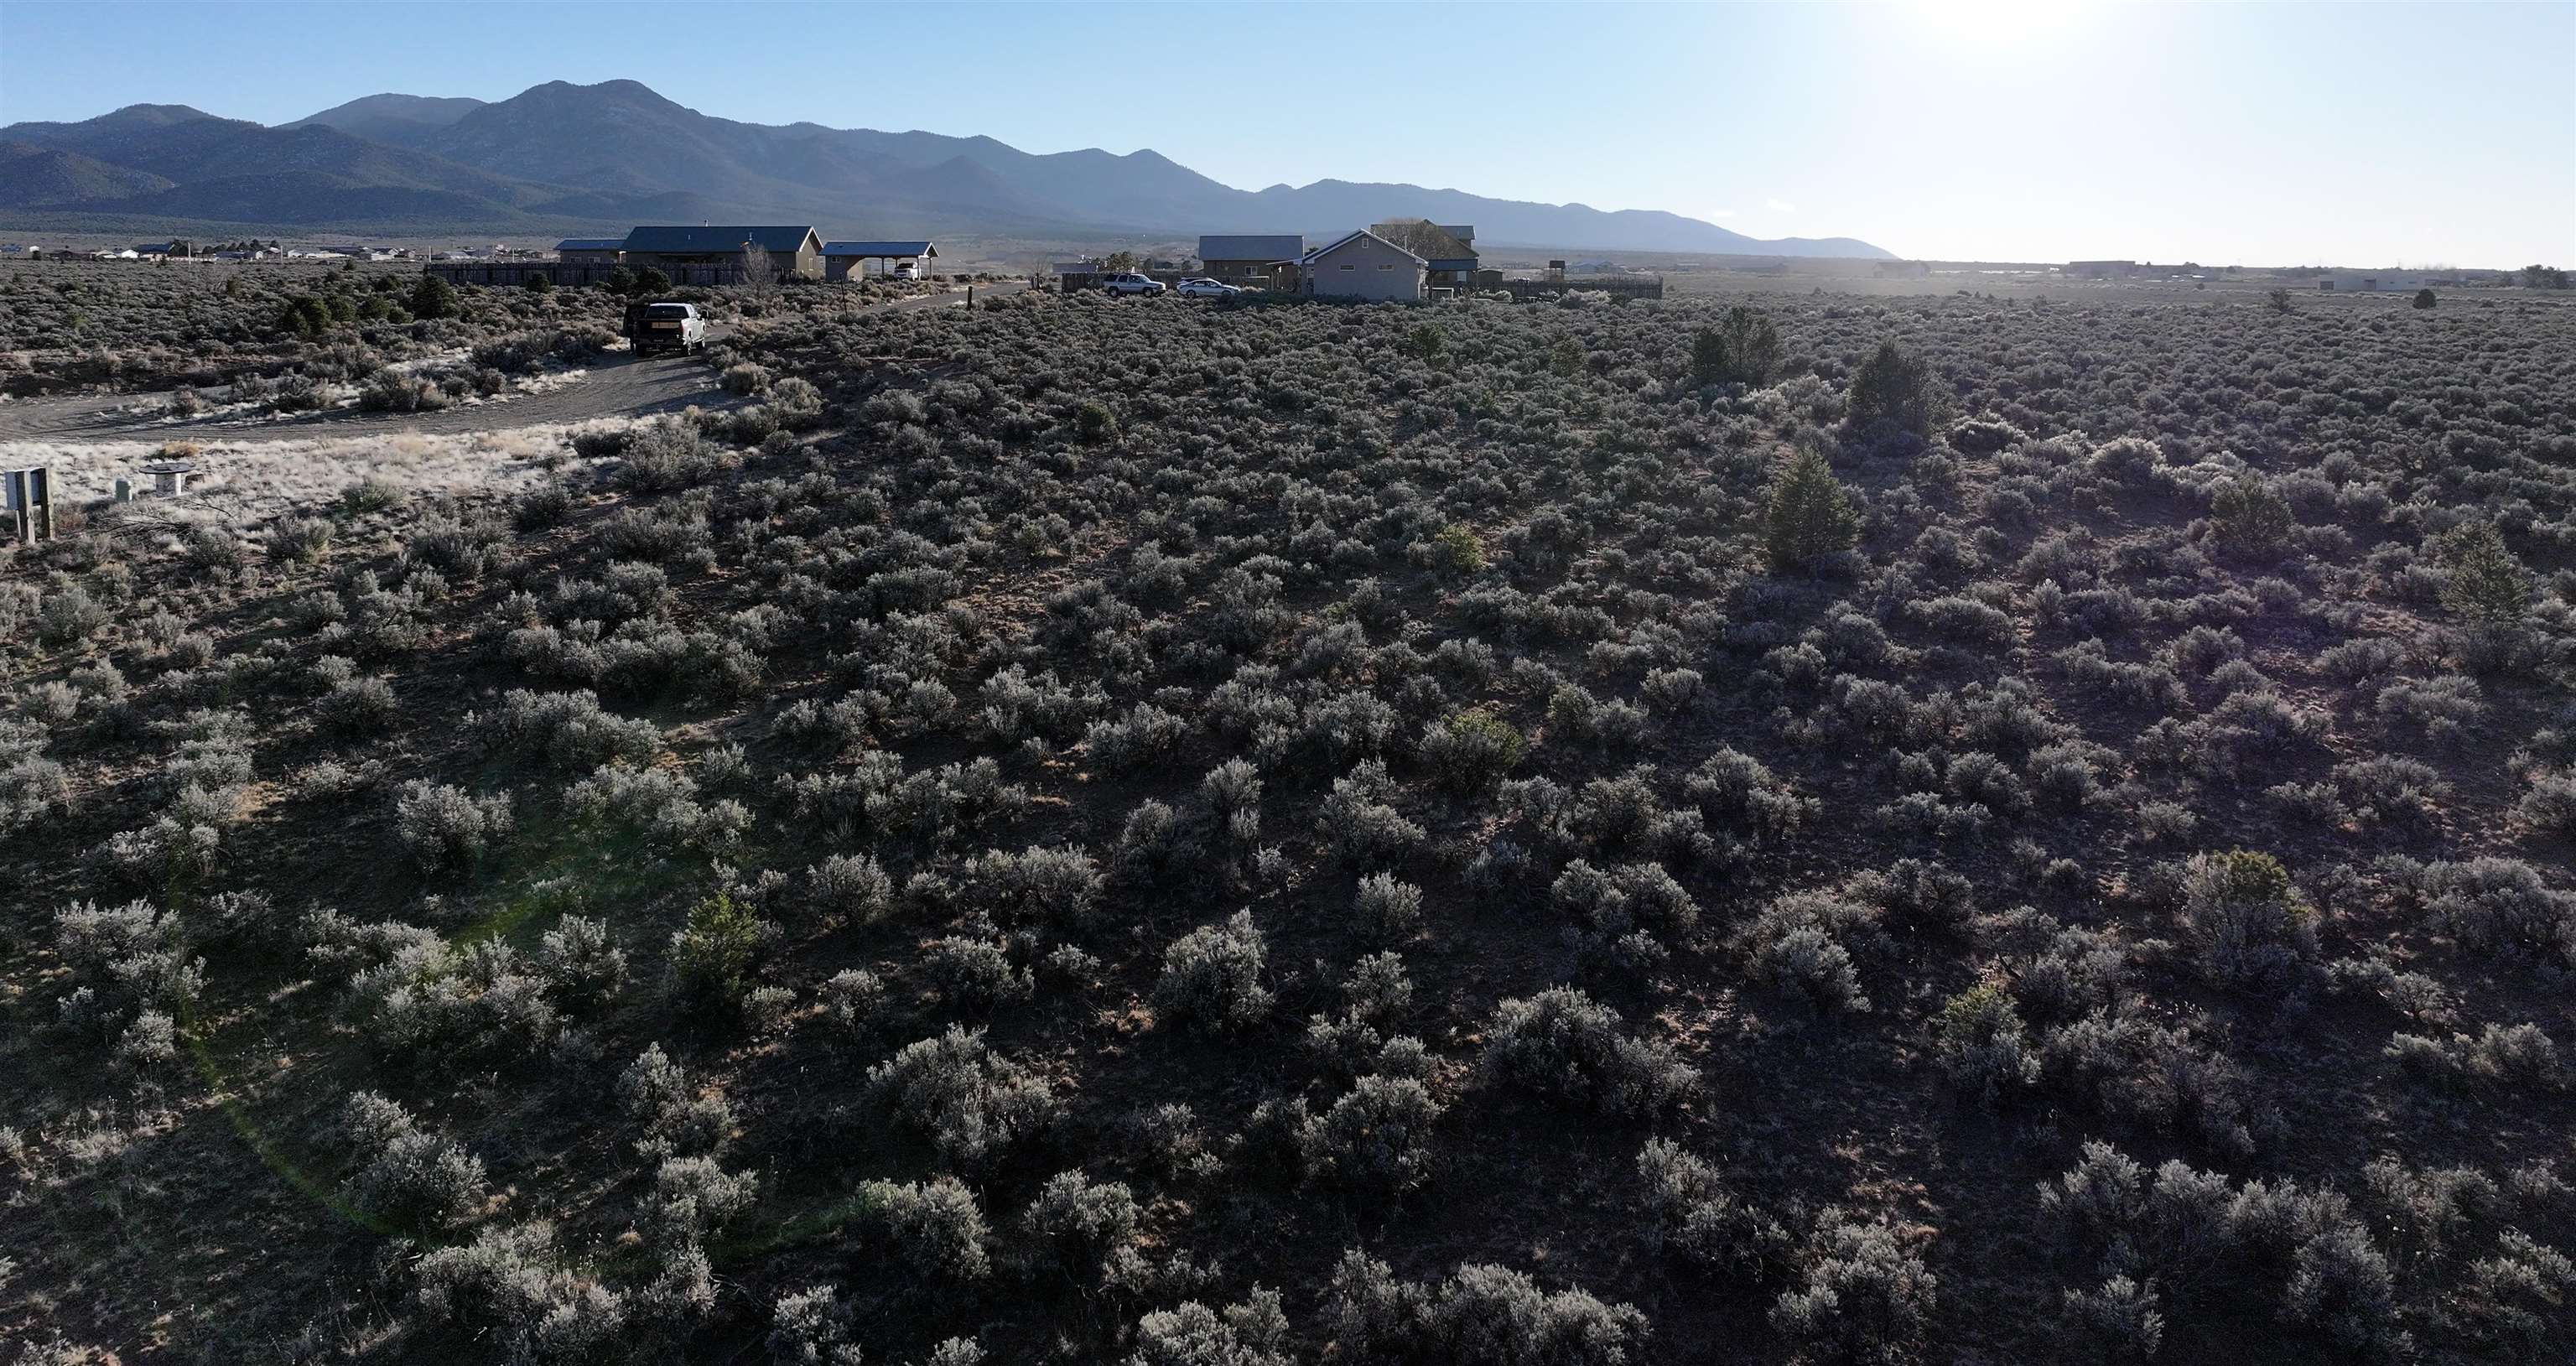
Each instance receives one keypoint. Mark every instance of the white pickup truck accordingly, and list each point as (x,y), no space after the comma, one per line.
(666,326)
(1129,282)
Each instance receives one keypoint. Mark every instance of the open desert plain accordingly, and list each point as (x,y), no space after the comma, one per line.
(685,795)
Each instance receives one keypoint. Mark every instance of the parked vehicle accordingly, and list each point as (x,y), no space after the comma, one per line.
(906,270)
(1129,282)
(666,326)
(1200,288)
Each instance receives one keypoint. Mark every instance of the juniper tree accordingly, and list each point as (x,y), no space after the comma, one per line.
(2488,584)
(1741,349)
(1809,515)
(433,298)
(1892,392)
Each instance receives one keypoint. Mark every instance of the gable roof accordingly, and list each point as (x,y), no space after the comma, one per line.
(718,237)
(879,249)
(590,244)
(1346,239)
(1252,247)
(1425,239)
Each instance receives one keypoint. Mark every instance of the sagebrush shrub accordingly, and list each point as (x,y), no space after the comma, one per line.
(936,1227)
(970,1102)
(811,1327)
(1861,1295)
(1563,1044)
(1212,976)
(1980,1042)
(1386,911)
(1472,749)
(1074,1222)
(2251,926)
(1692,1216)
(511,1283)
(1253,1333)
(448,829)
(1484,1313)
(409,1175)
(1376,1137)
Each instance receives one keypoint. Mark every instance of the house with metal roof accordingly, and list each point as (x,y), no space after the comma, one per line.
(841,260)
(1363,265)
(1246,259)
(791,250)
(591,250)
(1448,252)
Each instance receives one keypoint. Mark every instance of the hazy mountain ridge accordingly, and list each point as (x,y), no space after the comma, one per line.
(30,174)
(599,156)
(403,120)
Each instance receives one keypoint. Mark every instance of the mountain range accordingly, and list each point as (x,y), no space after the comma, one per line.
(594,158)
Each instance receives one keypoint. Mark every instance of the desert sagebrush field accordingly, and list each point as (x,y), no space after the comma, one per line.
(1075,830)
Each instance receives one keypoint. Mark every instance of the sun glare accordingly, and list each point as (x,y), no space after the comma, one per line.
(2001,24)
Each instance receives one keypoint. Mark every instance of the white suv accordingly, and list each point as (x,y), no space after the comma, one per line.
(1129,282)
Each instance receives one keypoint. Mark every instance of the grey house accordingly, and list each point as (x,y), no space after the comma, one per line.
(791,250)
(1246,260)
(1364,265)
(591,250)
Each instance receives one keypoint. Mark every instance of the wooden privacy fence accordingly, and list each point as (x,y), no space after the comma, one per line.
(572,273)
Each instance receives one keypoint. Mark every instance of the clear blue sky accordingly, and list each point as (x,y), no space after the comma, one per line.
(2002,129)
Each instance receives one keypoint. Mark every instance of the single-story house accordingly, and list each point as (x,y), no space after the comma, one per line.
(1363,265)
(1449,250)
(591,250)
(2358,282)
(841,260)
(792,250)
(1248,259)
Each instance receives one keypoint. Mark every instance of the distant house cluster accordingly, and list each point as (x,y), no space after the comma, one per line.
(685,253)
(1403,260)
(153,251)
(794,249)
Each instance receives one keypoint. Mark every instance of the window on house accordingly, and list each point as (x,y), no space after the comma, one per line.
(1350,267)
(1390,265)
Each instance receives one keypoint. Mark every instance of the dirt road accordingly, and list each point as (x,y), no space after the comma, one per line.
(618,386)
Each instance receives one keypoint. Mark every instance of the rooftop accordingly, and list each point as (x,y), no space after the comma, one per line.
(1426,239)
(716,237)
(1349,237)
(879,249)
(1252,247)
